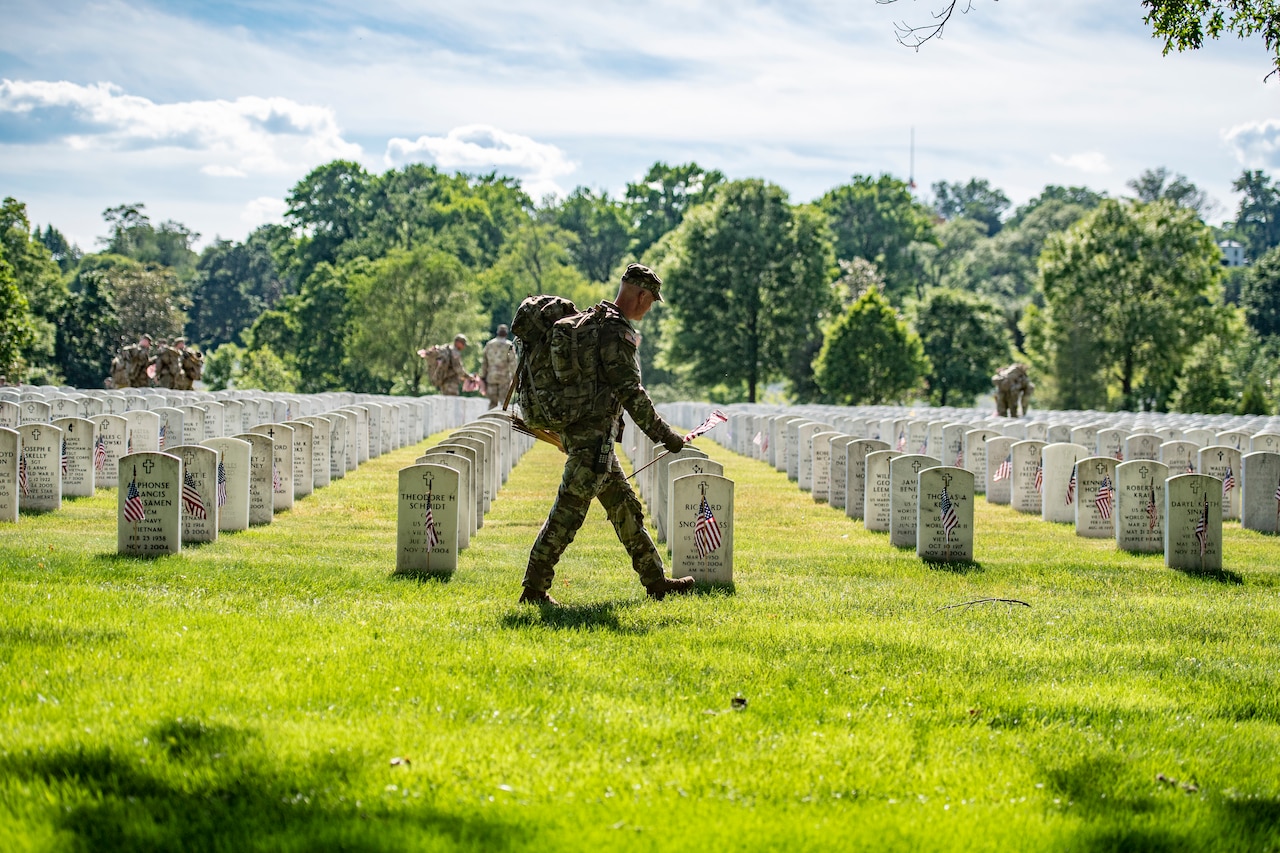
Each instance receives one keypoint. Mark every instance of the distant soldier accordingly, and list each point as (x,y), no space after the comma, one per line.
(168,361)
(136,359)
(1013,388)
(119,377)
(192,365)
(444,365)
(498,367)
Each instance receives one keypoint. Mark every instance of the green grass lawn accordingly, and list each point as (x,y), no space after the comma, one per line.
(253,693)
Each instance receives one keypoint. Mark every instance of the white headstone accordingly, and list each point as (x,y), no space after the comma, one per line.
(233,457)
(1024,490)
(1181,457)
(321,448)
(855,473)
(10,442)
(1140,506)
(303,458)
(904,492)
(142,431)
(77,453)
(35,412)
(1223,462)
(1193,523)
(458,459)
(944,526)
(199,492)
(975,454)
(877,507)
(1060,488)
(40,467)
(149,505)
(427,526)
(172,427)
(1260,491)
(999,454)
(1095,498)
(702,528)
(1142,445)
(282,475)
(108,448)
(261,466)
(10,414)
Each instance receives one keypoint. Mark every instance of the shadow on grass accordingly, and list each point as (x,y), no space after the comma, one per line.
(955,567)
(1220,575)
(194,794)
(574,617)
(422,578)
(717,589)
(114,560)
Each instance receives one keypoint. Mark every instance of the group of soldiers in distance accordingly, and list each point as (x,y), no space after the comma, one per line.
(497,367)
(141,365)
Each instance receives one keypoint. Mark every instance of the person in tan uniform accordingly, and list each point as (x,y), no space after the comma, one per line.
(498,367)
(192,365)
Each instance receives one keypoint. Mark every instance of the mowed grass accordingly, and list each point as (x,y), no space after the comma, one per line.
(251,694)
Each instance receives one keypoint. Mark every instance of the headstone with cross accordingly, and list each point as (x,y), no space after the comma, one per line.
(77,466)
(877,502)
(10,446)
(427,525)
(804,453)
(820,464)
(999,482)
(975,454)
(234,457)
(142,431)
(944,522)
(662,485)
(1024,491)
(1181,457)
(1223,461)
(686,467)
(304,482)
(1193,523)
(261,487)
(855,474)
(1234,438)
(1059,495)
(702,528)
(42,458)
(1140,506)
(1095,500)
(475,450)
(282,477)
(321,449)
(172,424)
(35,412)
(1260,491)
(1142,445)
(112,430)
(215,420)
(199,492)
(149,505)
(458,459)
(904,491)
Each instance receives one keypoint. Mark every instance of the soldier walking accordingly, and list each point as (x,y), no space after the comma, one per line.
(136,358)
(592,469)
(498,367)
(444,365)
(192,365)
(168,363)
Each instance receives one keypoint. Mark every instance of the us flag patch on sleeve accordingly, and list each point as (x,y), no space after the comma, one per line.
(632,338)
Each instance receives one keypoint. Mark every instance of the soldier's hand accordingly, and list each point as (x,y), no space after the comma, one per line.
(673,443)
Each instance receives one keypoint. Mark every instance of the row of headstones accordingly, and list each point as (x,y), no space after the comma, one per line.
(691,503)
(445,495)
(1100,495)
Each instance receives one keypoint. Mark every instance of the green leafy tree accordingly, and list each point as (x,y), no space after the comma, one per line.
(88,325)
(601,232)
(878,220)
(870,355)
(37,277)
(16,331)
(660,201)
(1161,185)
(234,283)
(1128,290)
(1260,297)
(133,236)
(330,206)
(1258,216)
(748,284)
(261,368)
(405,302)
(535,259)
(1078,197)
(63,253)
(965,340)
(976,200)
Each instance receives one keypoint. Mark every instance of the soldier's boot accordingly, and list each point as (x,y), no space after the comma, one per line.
(533,596)
(658,590)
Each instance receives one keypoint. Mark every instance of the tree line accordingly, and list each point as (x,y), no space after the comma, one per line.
(868,294)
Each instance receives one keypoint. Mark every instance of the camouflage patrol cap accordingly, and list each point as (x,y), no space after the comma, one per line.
(644,278)
(177,341)
(460,337)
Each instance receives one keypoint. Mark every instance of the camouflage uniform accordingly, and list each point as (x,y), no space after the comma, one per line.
(119,372)
(137,359)
(192,368)
(168,366)
(592,469)
(454,373)
(498,367)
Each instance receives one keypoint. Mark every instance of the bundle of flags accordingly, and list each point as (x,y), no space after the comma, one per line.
(1104,499)
(1071,487)
(1006,468)
(1202,527)
(713,420)
(192,503)
(706,533)
(99,455)
(222,483)
(133,509)
(429,524)
(947,511)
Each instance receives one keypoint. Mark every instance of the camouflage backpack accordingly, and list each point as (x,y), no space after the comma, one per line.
(437,359)
(539,392)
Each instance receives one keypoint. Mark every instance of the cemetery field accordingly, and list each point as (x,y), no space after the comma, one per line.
(280,690)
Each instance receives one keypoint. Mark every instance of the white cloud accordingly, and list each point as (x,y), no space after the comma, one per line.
(1089,162)
(228,138)
(262,210)
(1256,144)
(481,147)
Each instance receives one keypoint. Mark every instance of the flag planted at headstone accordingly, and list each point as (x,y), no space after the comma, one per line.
(1040,476)
(1228,483)
(222,483)
(706,533)
(134,511)
(23,482)
(64,457)
(99,454)
(1104,499)
(429,526)
(1071,486)
(947,513)
(164,428)
(1202,528)
(1006,469)
(1153,510)
(192,503)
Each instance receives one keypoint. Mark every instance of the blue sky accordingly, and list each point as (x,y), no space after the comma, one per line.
(209,112)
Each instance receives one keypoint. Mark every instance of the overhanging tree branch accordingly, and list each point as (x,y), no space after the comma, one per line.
(914,36)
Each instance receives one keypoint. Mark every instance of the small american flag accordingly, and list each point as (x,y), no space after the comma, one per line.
(1278,493)
(64,457)
(429,524)
(1040,476)
(1006,468)
(222,483)
(924,447)
(759,441)
(1191,467)
(706,533)
(192,504)
(163,430)
(1202,527)
(713,420)
(128,448)
(1153,511)
(959,458)
(1119,455)
(1104,498)
(902,440)
(133,509)
(947,511)
(1071,487)
(99,455)
(1228,483)
(276,482)
(22,473)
